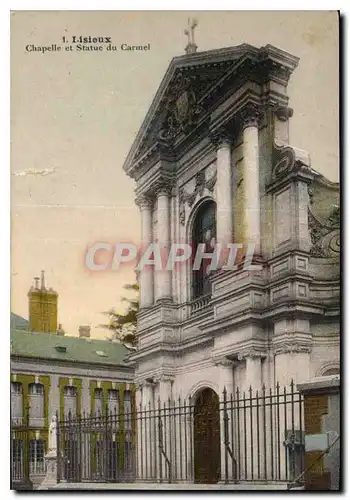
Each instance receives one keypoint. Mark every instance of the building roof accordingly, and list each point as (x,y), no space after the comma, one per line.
(18,323)
(208,71)
(64,348)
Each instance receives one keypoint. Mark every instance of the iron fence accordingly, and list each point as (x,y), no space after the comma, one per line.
(252,436)
(27,453)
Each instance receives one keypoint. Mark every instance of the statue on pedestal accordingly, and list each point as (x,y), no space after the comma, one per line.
(53,434)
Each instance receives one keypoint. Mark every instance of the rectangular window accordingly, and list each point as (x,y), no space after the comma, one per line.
(16,403)
(70,401)
(17,459)
(98,400)
(113,406)
(113,401)
(36,405)
(36,456)
(128,457)
(127,410)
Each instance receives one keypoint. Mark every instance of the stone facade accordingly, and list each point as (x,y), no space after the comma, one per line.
(218,130)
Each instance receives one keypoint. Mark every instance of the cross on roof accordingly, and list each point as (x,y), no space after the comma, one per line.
(191,45)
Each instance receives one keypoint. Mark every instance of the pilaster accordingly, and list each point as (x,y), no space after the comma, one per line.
(253,359)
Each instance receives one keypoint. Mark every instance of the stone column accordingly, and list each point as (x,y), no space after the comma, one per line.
(224,222)
(227,418)
(165,383)
(139,420)
(163,277)
(253,420)
(253,373)
(147,431)
(251,176)
(292,362)
(149,438)
(167,431)
(146,274)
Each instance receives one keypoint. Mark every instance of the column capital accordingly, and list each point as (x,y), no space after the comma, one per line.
(250,116)
(251,353)
(162,188)
(291,348)
(144,383)
(221,138)
(164,378)
(224,361)
(144,202)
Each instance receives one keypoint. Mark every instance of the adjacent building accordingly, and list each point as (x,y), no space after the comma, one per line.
(54,372)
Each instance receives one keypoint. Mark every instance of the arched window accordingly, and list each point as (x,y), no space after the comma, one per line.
(36,405)
(331,371)
(204,231)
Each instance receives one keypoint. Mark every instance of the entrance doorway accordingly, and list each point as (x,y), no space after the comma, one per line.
(207,457)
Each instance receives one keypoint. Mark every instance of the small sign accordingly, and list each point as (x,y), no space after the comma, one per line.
(316,442)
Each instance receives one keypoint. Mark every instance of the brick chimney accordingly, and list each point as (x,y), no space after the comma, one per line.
(43,307)
(84,331)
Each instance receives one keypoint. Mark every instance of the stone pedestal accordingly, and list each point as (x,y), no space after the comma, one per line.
(322,431)
(50,480)
(24,484)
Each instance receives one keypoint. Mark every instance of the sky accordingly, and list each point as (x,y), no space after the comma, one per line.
(74,116)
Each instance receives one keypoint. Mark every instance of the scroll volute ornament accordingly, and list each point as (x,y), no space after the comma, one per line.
(287,158)
(325,235)
(201,183)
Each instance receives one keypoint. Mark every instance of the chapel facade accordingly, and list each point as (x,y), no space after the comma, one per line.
(213,165)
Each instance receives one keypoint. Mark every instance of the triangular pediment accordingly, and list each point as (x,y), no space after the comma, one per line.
(190,81)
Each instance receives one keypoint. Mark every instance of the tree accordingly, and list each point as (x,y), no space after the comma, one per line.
(123,326)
